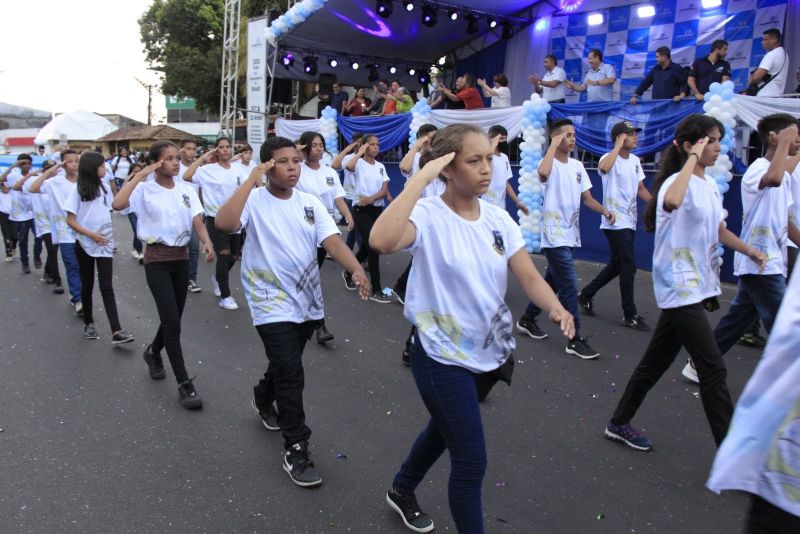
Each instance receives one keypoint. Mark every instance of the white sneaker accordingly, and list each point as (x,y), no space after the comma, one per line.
(215,287)
(228,303)
(135,254)
(690,373)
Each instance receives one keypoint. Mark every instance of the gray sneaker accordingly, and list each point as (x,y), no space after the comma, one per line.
(300,468)
(380,298)
(193,287)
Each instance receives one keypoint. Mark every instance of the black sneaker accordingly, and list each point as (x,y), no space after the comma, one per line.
(90,332)
(300,468)
(154,363)
(48,279)
(348,281)
(37,264)
(407,356)
(58,289)
(580,348)
(323,335)
(26,269)
(380,298)
(409,510)
(586,304)
(268,416)
(188,396)
(636,323)
(753,340)
(399,294)
(121,337)
(528,326)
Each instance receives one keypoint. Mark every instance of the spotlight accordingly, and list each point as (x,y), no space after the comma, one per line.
(310,65)
(333,63)
(429,16)
(646,11)
(453,14)
(411,71)
(472,24)
(424,78)
(595,19)
(287,60)
(442,60)
(507,30)
(354,65)
(384,9)
(409,6)
(492,22)
(373,73)
(392,69)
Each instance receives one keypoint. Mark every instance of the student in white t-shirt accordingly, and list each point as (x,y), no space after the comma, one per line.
(88,214)
(9,235)
(463,249)
(794,213)
(623,181)
(219,180)
(372,184)
(167,210)
(245,159)
(339,163)
(41,214)
(774,66)
(21,215)
(187,156)
(323,182)
(499,93)
(120,166)
(501,172)
(566,185)
(686,212)
(280,276)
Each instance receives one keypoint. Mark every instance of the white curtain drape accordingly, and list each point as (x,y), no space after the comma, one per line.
(294,129)
(750,109)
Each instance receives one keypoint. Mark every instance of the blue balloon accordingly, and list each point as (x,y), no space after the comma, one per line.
(727,94)
(715,88)
(707,96)
(723,187)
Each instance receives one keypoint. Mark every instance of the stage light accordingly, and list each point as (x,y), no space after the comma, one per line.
(472,24)
(453,14)
(392,69)
(354,65)
(646,11)
(595,19)
(424,78)
(384,9)
(442,60)
(373,73)
(409,6)
(333,63)
(310,65)
(708,4)
(507,30)
(411,71)
(492,22)
(429,16)
(287,60)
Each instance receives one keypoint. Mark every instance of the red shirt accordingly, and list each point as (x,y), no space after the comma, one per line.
(471,98)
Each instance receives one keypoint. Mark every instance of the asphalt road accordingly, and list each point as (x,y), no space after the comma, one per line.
(90,444)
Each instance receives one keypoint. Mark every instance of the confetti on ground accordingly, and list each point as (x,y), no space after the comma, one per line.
(389,412)
(601,516)
(616,356)
(341,456)
(501,484)
(696,394)
(501,519)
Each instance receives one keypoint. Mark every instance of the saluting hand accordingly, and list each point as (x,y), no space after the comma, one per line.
(431,171)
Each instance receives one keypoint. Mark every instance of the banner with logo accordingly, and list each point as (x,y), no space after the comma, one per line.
(629,42)
(256,84)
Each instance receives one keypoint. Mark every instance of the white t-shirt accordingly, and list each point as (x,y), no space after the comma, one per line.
(503,98)
(94,215)
(5,202)
(558,92)
(322,183)
(620,192)
(776,63)
(765,221)
(349,182)
(433,189)
(369,180)
(57,189)
(165,215)
(794,212)
(41,209)
(685,265)
(471,329)
(181,171)
(21,206)
(123,167)
(246,169)
(218,184)
(562,204)
(501,174)
(280,275)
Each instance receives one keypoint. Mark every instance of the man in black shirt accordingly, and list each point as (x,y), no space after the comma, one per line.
(708,70)
(667,79)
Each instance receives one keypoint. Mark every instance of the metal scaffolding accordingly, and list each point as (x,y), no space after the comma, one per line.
(230,64)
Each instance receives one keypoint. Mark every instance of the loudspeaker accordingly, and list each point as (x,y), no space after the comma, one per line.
(282,91)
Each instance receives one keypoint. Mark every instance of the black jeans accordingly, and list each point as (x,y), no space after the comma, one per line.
(763,517)
(365,217)
(284,379)
(51,263)
(9,233)
(688,327)
(622,264)
(105,273)
(224,242)
(402,282)
(169,282)
(23,229)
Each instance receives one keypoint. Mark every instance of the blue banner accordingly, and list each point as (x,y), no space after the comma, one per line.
(392,130)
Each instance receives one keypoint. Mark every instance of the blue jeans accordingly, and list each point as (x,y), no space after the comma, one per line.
(759,294)
(137,244)
(72,269)
(194,254)
(450,395)
(561,276)
(352,236)
(622,264)
(23,229)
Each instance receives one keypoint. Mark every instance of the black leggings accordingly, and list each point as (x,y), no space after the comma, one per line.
(9,233)
(365,217)
(105,273)
(168,282)
(51,263)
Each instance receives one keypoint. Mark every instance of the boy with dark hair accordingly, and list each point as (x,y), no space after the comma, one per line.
(22,210)
(566,184)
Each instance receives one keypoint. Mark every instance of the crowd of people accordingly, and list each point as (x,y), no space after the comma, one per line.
(281,220)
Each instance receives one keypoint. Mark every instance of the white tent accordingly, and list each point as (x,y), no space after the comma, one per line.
(76,125)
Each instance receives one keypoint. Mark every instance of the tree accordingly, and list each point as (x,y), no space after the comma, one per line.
(183,39)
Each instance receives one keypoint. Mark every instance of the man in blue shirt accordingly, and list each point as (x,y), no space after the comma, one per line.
(710,69)
(598,81)
(667,79)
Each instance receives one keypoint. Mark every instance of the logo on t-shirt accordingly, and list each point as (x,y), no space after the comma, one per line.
(637,169)
(238,181)
(186,201)
(579,177)
(381,171)
(309,214)
(329,181)
(498,246)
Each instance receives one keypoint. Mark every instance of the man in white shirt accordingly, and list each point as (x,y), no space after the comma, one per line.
(773,70)
(551,85)
(598,80)
(623,181)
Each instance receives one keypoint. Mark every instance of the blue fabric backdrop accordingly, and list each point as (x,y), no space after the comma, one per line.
(392,130)
(485,64)
(593,121)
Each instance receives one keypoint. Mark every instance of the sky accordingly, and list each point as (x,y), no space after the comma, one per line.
(62,56)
